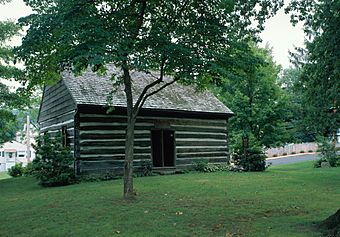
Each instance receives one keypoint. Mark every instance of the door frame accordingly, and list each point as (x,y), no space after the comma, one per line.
(174,147)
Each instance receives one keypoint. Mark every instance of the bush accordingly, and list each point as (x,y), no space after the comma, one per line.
(28,170)
(275,155)
(204,166)
(284,153)
(310,150)
(17,170)
(54,164)
(99,177)
(302,151)
(293,153)
(327,153)
(146,168)
(253,159)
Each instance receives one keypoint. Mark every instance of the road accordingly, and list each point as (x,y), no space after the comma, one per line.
(292,159)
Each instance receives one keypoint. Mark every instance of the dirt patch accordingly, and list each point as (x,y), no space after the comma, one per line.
(331,225)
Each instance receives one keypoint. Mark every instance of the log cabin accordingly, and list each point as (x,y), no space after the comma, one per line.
(176,127)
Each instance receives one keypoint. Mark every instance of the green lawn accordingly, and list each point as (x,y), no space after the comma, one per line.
(283,201)
(4,175)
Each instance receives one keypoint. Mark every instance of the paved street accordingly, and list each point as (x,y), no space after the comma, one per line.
(292,159)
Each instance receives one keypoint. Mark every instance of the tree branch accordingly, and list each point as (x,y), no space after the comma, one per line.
(145,90)
(144,98)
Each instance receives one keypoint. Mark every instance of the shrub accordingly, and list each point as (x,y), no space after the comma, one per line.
(252,160)
(99,177)
(28,170)
(302,151)
(275,155)
(327,153)
(204,166)
(293,153)
(54,164)
(146,168)
(17,170)
(310,150)
(284,153)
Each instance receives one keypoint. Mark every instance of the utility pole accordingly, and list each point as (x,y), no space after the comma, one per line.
(28,141)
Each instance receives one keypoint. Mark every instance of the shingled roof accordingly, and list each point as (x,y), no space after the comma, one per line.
(93,89)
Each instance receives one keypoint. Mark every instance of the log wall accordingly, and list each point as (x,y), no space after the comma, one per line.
(57,110)
(102,139)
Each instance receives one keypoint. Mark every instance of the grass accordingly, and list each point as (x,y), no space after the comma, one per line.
(283,201)
(4,175)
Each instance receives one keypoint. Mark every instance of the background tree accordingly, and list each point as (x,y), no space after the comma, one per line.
(319,82)
(181,38)
(289,80)
(252,92)
(8,99)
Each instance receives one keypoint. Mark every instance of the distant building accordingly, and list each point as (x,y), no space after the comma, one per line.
(12,153)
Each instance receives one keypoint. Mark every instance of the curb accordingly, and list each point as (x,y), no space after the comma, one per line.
(293,155)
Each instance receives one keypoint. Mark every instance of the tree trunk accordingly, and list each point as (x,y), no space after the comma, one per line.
(129,138)
(128,162)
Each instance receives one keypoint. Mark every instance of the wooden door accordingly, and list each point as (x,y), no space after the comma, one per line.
(163,148)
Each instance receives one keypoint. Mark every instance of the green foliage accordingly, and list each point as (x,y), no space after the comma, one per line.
(319,64)
(146,168)
(289,82)
(251,157)
(328,153)
(251,91)
(98,177)
(17,170)
(8,99)
(54,164)
(206,167)
(181,38)
(28,170)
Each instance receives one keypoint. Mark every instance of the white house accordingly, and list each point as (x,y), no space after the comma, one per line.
(12,153)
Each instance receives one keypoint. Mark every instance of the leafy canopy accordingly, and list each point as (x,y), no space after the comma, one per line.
(253,94)
(8,98)
(319,63)
(180,37)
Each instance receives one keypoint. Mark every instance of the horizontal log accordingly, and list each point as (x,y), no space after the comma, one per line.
(63,97)
(221,136)
(67,123)
(94,144)
(208,129)
(57,119)
(113,136)
(195,160)
(108,166)
(201,154)
(201,143)
(54,112)
(93,157)
(114,127)
(113,150)
(186,149)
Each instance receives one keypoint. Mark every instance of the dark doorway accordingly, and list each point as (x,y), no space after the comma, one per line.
(163,148)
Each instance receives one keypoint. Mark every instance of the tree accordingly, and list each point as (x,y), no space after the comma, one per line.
(319,62)
(254,95)
(180,38)
(8,99)
(289,82)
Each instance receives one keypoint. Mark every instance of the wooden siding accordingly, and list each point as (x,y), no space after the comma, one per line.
(57,110)
(102,139)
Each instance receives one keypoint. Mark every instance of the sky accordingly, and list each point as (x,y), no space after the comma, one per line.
(279,33)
